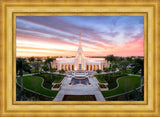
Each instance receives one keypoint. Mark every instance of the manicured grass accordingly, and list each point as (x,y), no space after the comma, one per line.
(79,98)
(126,84)
(135,95)
(34,83)
(27,95)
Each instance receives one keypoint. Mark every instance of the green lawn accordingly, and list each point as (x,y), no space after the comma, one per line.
(29,96)
(126,84)
(34,83)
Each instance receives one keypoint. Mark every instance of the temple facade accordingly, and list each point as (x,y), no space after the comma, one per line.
(80,62)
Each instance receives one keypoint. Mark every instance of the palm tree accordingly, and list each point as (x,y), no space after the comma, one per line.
(114,68)
(124,65)
(36,66)
(110,58)
(22,65)
(39,59)
(129,59)
(138,65)
(45,67)
(31,59)
(48,61)
(52,70)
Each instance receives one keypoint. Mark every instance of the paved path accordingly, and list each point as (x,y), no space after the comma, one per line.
(28,74)
(133,75)
(79,89)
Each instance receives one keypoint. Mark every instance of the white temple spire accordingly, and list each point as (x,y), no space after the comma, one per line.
(80,39)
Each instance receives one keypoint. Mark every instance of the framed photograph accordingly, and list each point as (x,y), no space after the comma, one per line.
(77,58)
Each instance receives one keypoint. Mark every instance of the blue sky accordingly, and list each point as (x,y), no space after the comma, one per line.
(59,35)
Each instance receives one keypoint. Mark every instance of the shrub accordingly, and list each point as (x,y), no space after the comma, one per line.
(48,80)
(57,85)
(61,71)
(102,86)
(98,71)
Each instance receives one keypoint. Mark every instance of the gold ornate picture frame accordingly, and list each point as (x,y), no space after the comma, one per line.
(151,12)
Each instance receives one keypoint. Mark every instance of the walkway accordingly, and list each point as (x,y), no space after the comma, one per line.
(79,89)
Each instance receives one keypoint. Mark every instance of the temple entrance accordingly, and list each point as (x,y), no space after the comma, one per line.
(72,67)
(90,67)
(97,66)
(87,67)
(93,67)
(69,67)
(80,66)
(65,67)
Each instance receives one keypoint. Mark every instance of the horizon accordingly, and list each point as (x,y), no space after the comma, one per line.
(70,56)
(59,35)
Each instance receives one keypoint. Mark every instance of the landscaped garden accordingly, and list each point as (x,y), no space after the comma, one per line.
(109,78)
(126,84)
(38,86)
(34,83)
(50,78)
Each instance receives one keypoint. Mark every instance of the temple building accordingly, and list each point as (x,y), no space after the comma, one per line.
(80,62)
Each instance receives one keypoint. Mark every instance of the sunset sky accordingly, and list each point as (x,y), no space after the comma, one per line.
(100,35)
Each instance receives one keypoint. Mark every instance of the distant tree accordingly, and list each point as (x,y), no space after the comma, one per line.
(124,65)
(114,68)
(39,60)
(121,58)
(111,58)
(138,65)
(36,66)
(31,59)
(129,59)
(52,70)
(22,65)
(48,61)
(45,67)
